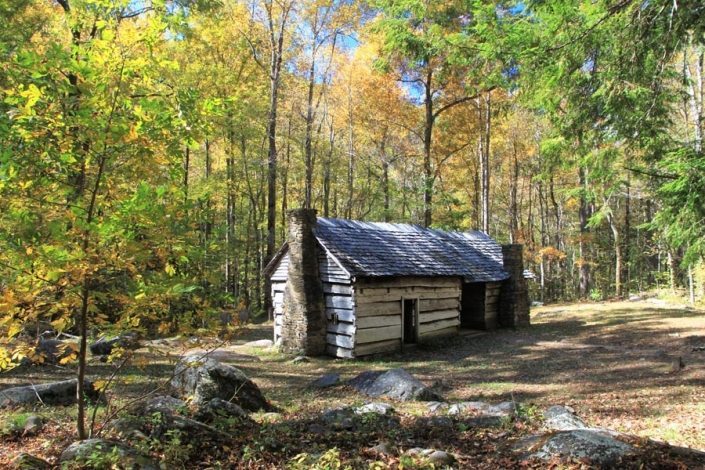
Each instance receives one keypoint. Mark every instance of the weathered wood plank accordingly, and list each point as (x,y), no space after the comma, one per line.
(437,325)
(337,301)
(342,315)
(329,288)
(281,272)
(379,347)
(409,281)
(334,279)
(428,305)
(383,333)
(380,308)
(452,331)
(337,351)
(396,294)
(374,322)
(339,340)
(428,317)
(341,328)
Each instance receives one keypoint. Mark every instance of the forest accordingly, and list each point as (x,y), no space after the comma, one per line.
(150,149)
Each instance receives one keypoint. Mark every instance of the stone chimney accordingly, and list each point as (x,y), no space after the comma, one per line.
(304,320)
(514,294)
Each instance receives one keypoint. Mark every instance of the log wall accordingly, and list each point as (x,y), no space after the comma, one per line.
(378,310)
(337,291)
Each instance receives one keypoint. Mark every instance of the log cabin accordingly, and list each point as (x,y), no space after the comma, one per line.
(348,288)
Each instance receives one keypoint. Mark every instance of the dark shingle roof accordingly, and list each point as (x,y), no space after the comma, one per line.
(377,249)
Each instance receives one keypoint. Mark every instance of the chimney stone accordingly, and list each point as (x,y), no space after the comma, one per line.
(514,294)
(304,320)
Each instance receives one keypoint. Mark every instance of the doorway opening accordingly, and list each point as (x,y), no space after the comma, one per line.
(410,332)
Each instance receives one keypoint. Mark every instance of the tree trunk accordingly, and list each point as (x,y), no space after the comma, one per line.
(427,142)
(485,123)
(308,157)
(584,217)
(351,157)
(513,205)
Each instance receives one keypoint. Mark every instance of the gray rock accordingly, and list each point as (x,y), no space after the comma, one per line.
(105,346)
(442,422)
(220,408)
(300,360)
(325,381)
(440,458)
(597,446)
(260,343)
(54,393)
(127,427)
(396,384)
(81,452)
(339,419)
(437,406)
(482,414)
(160,404)
(382,449)
(203,379)
(33,425)
(374,407)
(480,407)
(25,461)
(561,418)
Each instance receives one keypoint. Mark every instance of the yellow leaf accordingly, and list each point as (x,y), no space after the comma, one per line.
(100,385)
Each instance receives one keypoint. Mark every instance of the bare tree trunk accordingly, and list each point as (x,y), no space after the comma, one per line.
(285,175)
(618,261)
(584,217)
(308,157)
(486,111)
(672,266)
(427,142)
(351,157)
(513,205)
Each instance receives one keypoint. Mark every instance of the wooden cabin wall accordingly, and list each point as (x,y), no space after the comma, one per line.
(378,310)
(338,295)
(492,305)
(278,281)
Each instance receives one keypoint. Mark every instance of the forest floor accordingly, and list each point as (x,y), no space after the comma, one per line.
(618,364)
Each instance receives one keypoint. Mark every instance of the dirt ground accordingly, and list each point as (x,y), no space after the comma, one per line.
(635,367)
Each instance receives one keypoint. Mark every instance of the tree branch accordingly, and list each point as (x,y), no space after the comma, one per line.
(460,101)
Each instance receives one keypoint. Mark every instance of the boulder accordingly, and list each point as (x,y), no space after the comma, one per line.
(25,461)
(562,418)
(101,453)
(325,381)
(482,414)
(440,459)
(382,449)
(54,393)
(260,343)
(218,407)
(160,404)
(128,427)
(104,346)
(374,407)
(396,384)
(338,419)
(32,425)
(203,379)
(597,446)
